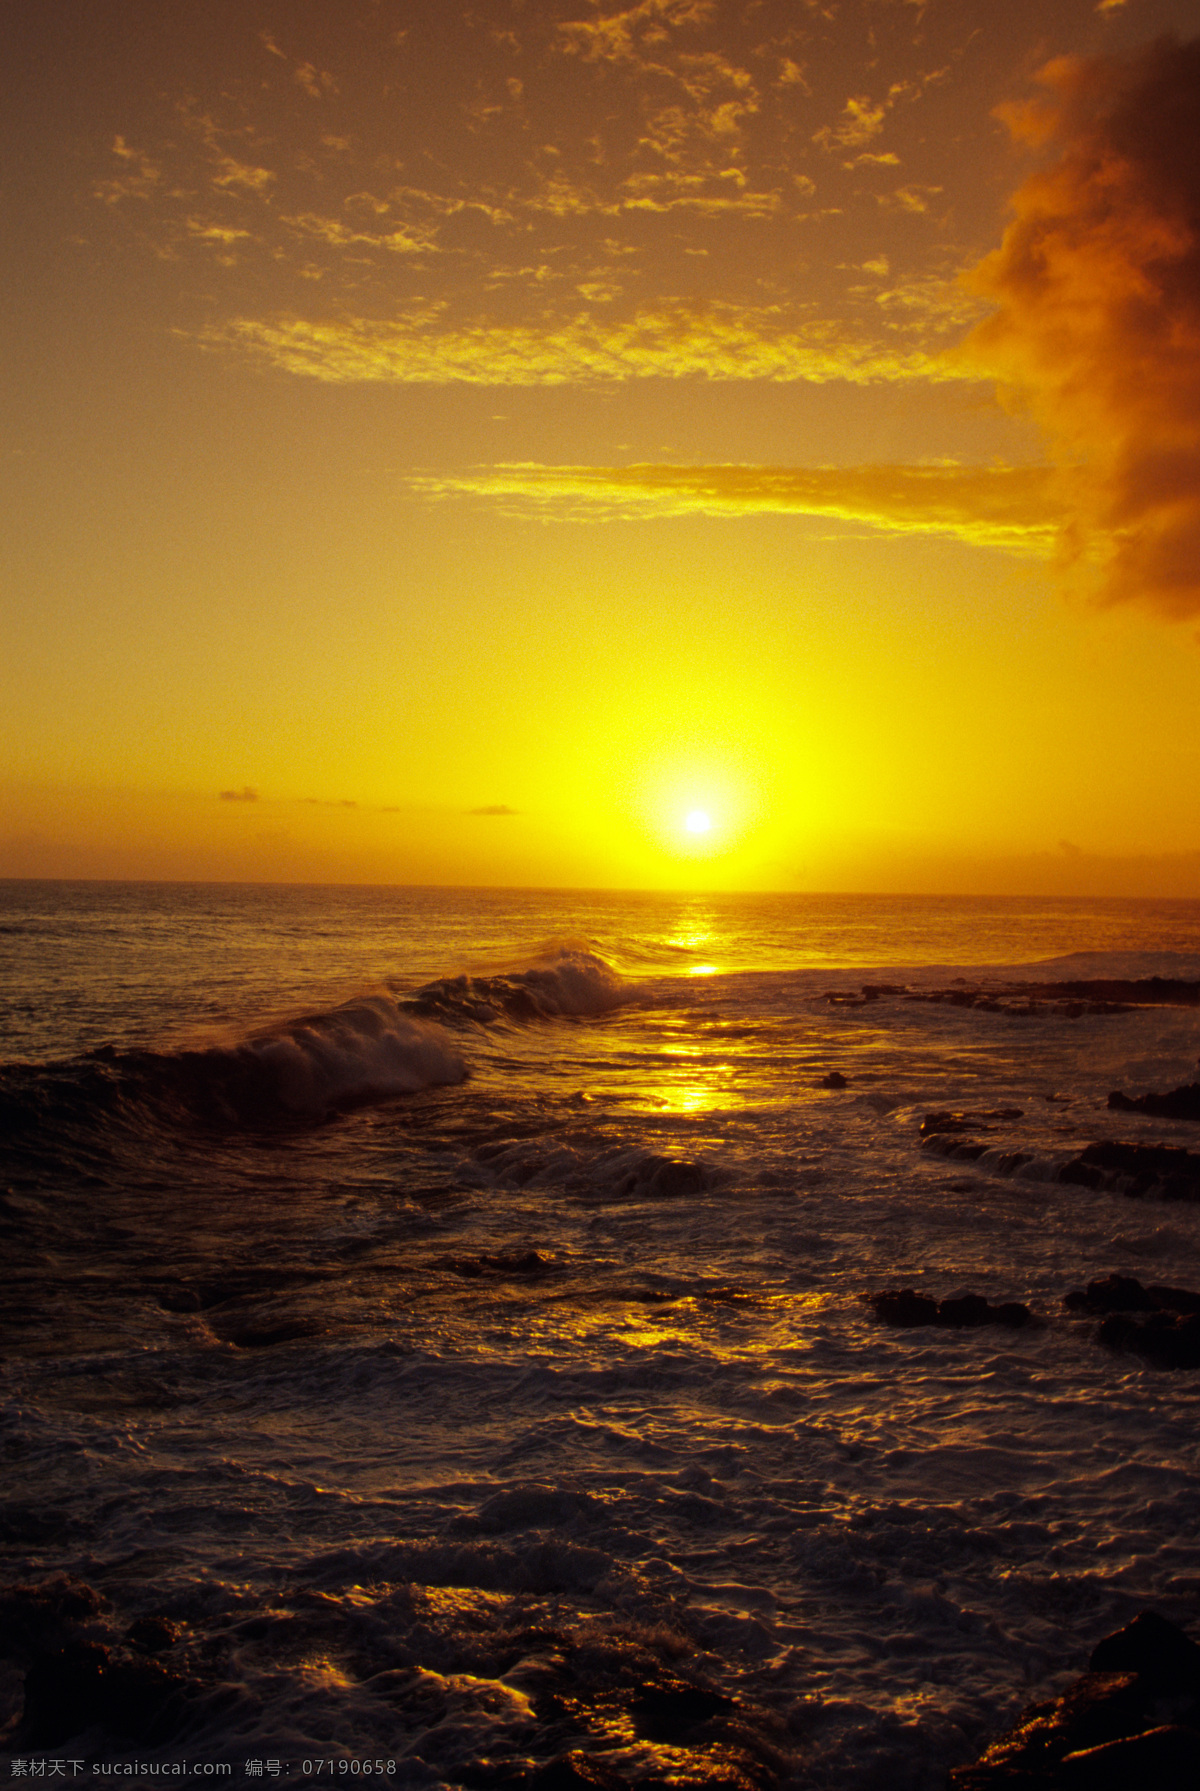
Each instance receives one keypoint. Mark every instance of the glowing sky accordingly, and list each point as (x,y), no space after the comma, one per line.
(460,445)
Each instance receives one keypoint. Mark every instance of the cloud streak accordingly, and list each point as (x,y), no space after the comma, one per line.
(1097,330)
(1011,508)
(718,343)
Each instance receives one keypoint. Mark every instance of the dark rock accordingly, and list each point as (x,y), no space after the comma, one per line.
(1164,1170)
(1116,1293)
(962,1150)
(670,1709)
(966,1310)
(901,1306)
(77,1686)
(1014,1314)
(834,1079)
(135,1692)
(63,1693)
(37,1619)
(1154,1647)
(904,1307)
(666,1176)
(1080,1174)
(1178,1103)
(1163,1759)
(1133,1719)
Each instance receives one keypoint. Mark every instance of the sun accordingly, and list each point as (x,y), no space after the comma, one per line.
(698,820)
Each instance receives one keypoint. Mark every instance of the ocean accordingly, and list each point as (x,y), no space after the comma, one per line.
(437,1337)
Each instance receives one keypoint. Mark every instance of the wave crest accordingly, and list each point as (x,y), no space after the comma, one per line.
(570,983)
(364,1050)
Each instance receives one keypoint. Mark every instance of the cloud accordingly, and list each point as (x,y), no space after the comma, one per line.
(1012,508)
(137,177)
(494,808)
(620,36)
(1097,330)
(860,122)
(717,343)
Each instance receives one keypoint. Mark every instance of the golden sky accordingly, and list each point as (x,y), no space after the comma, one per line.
(456,446)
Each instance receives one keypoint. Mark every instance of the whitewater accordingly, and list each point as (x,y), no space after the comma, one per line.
(437,1337)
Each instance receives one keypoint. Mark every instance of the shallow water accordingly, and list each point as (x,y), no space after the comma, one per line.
(446,1309)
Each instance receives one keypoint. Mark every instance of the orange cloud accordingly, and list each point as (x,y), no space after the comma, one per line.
(1008,507)
(717,343)
(1097,329)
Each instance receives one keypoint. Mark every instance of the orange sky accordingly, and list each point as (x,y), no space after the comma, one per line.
(452,446)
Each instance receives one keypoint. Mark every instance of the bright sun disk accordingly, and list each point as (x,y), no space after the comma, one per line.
(697,821)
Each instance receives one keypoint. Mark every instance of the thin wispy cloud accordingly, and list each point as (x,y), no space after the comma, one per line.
(1015,509)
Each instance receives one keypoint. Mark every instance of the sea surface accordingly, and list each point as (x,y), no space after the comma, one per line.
(435,1332)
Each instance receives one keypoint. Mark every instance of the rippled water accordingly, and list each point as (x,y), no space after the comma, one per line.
(444,1311)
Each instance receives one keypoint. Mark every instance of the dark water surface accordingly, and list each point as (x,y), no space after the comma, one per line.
(442,1313)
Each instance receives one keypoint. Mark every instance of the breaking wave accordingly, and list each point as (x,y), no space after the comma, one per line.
(569,982)
(364,1050)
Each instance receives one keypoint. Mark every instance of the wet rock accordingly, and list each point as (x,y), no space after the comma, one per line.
(1159,1323)
(962,1150)
(963,1311)
(901,1306)
(1164,1655)
(1166,1759)
(669,1177)
(75,1687)
(670,1709)
(967,1310)
(834,1079)
(37,1619)
(1115,1293)
(1122,1293)
(1178,1103)
(1159,1171)
(1131,1720)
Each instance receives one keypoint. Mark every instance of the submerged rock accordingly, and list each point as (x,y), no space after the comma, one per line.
(834,1079)
(1132,1719)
